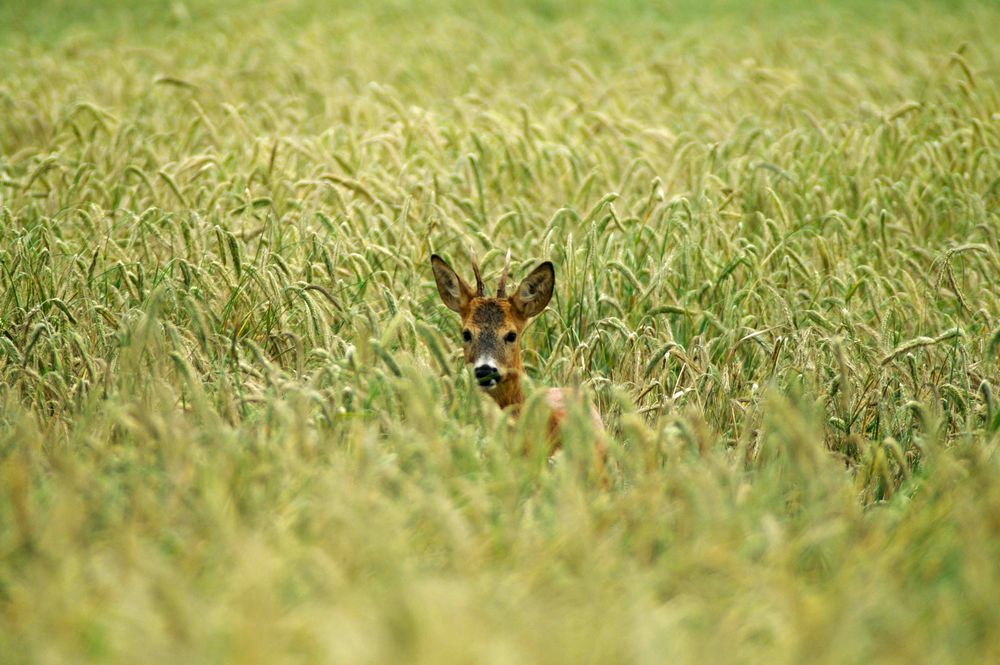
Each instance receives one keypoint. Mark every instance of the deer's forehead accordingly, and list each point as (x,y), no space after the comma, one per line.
(490,314)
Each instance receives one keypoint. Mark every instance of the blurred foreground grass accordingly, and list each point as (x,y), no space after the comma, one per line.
(234,422)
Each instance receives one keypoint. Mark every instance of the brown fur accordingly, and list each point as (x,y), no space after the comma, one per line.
(489,321)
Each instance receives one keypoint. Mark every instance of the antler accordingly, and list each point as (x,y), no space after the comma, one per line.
(475,268)
(502,286)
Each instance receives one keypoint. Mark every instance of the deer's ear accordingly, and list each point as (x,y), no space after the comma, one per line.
(455,293)
(534,293)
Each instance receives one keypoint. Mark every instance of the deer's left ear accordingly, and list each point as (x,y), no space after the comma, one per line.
(534,293)
(455,293)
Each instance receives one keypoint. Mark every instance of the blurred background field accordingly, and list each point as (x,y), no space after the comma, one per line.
(234,423)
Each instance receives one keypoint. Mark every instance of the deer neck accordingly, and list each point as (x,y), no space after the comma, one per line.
(510,393)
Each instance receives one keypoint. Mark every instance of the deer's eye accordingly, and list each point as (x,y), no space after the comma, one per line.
(510,337)
(466,335)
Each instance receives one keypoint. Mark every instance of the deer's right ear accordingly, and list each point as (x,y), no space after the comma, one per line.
(455,293)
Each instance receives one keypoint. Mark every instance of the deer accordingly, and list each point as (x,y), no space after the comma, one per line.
(491,339)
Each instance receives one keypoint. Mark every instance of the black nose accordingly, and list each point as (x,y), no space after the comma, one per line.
(485,372)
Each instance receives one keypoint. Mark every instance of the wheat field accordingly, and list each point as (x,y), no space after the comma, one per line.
(235,426)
